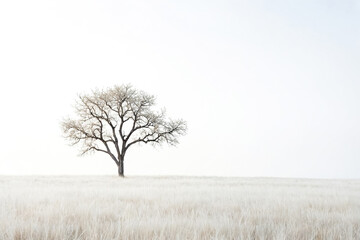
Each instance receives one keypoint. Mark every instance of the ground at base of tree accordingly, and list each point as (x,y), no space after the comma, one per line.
(108,207)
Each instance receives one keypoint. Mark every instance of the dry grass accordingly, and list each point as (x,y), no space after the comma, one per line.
(178,208)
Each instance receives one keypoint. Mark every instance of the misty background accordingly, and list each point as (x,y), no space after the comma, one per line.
(267,88)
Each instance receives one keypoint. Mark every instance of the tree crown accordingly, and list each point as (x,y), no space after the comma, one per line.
(114,119)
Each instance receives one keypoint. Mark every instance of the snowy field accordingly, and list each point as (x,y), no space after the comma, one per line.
(108,207)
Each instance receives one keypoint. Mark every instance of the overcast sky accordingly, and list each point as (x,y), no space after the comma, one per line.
(268,88)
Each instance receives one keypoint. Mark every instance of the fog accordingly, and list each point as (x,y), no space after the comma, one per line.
(267,89)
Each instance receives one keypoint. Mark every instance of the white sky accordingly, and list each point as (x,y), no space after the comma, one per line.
(269,88)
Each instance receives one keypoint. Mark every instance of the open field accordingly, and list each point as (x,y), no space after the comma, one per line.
(106,207)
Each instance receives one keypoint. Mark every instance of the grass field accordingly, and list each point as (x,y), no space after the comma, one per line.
(106,207)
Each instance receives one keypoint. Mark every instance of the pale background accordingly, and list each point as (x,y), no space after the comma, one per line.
(269,88)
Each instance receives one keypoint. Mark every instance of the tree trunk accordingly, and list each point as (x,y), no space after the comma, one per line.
(121,168)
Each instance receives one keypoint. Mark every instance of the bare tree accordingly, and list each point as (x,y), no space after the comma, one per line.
(112,120)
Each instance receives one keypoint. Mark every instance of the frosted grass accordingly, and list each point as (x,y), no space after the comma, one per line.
(105,207)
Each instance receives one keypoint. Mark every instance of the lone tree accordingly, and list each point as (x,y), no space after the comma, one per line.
(112,120)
